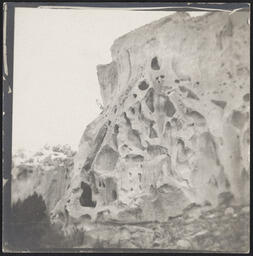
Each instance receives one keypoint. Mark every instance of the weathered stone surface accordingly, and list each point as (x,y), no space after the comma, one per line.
(174,130)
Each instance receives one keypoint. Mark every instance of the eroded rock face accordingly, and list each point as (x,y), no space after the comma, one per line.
(175,125)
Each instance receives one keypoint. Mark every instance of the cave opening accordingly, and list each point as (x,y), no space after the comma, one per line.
(86,196)
(154,64)
(169,108)
(143,85)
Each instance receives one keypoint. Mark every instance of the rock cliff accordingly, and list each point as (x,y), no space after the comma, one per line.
(46,173)
(174,130)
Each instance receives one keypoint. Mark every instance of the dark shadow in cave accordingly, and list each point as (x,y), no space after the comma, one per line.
(86,196)
(155,64)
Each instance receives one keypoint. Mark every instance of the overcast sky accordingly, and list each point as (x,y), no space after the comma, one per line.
(55,81)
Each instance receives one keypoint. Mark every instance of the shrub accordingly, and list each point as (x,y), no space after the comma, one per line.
(31,227)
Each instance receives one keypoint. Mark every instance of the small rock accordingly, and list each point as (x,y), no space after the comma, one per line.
(184,244)
(245,209)
(229,211)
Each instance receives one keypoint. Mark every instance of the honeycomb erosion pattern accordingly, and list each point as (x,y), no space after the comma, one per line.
(175,127)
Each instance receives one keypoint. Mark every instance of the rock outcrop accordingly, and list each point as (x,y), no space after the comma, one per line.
(174,130)
(46,173)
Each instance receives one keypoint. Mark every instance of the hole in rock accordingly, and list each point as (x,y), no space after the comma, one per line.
(197,117)
(134,138)
(87,164)
(176,123)
(132,110)
(155,64)
(143,86)
(153,134)
(169,108)
(155,150)
(208,147)
(127,119)
(177,81)
(140,108)
(86,196)
(238,119)
(134,157)
(180,141)
(135,95)
(190,94)
(86,217)
(150,99)
(116,128)
(111,190)
(114,195)
(220,103)
(246,97)
(139,176)
(106,159)
(168,125)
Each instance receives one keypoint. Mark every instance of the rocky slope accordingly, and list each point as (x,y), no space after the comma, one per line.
(224,228)
(174,130)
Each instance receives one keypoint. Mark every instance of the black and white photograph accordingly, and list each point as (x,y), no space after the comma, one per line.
(129,127)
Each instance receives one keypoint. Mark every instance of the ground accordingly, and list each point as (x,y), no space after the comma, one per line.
(224,229)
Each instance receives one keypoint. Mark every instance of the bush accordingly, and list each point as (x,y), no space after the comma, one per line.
(30,224)
(31,227)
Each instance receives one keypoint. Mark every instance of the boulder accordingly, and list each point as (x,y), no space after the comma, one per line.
(174,129)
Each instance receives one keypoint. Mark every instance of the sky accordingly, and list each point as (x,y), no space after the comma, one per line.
(56,52)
